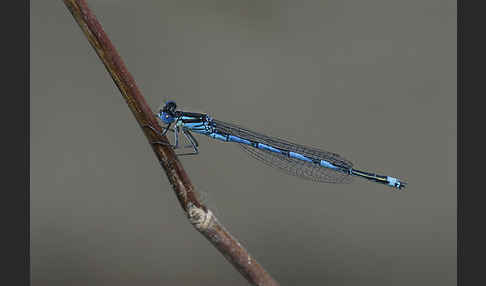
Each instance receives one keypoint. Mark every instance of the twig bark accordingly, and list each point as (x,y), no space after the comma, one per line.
(198,214)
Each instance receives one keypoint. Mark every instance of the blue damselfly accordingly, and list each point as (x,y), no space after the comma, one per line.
(294,159)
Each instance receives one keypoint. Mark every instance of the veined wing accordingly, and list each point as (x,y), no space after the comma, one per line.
(232,129)
(296,167)
(292,166)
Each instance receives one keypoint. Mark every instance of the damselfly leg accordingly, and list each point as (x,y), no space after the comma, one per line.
(192,140)
(189,138)
(194,144)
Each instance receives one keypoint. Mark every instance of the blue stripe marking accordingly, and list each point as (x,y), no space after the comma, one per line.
(268,148)
(218,136)
(299,156)
(239,140)
(193,125)
(326,164)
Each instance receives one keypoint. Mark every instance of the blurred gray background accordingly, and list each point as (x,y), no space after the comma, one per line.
(372,80)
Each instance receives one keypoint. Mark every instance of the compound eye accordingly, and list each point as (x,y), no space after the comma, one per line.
(171,105)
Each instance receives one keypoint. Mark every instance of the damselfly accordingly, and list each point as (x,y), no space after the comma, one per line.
(298,160)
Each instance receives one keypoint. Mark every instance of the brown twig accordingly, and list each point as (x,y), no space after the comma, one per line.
(199,215)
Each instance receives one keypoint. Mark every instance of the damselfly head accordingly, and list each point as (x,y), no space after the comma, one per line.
(167,113)
(169,107)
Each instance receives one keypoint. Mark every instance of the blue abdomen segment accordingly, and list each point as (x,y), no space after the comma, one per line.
(326,164)
(276,150)
(394,182)
(299,156)
(236,139)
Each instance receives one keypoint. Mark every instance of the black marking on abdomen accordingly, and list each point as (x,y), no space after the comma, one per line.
(284,152)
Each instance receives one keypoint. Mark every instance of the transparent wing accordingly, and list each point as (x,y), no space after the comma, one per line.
(232,129)
(286,164)
(297,167)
